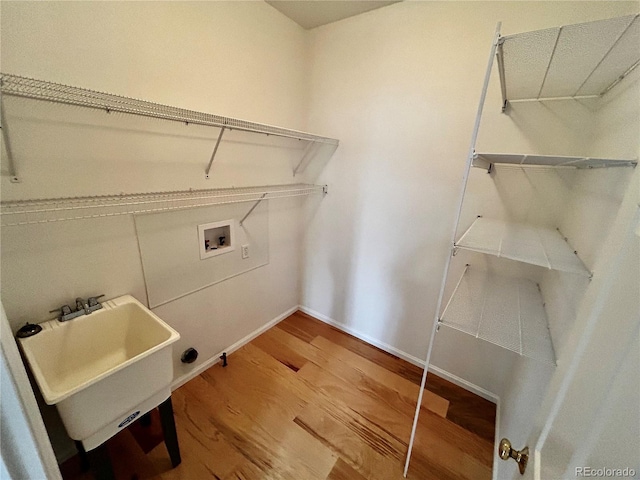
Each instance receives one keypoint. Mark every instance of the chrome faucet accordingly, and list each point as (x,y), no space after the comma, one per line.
(83,307)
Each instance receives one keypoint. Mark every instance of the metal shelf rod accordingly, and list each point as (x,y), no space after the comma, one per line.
(466,267)
(553,53)
(547,99)
(213,155)
(176,202)
(252,209)
(148,198)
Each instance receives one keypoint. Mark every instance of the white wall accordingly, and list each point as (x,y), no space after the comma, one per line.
(242,59)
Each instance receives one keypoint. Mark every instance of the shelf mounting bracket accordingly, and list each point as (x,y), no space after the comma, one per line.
(13,174)
(213,155)
(305,155)
(503,81)
(253,208)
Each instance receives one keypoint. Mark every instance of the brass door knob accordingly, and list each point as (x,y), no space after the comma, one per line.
(521,457)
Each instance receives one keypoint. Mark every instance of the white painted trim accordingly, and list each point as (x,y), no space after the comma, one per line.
(43,458)
(462,383)
(178,382)
(481,392)
(496,441)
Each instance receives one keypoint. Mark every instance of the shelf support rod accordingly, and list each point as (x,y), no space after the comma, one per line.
(253,208)
(444,312)
(305,154)
(620,78)
(503,80)
(13,173)
(445,272)
(553,52)
(605,56)
(213,155)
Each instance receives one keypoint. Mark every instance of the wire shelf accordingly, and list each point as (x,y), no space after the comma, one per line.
(508,312)
(573,61)
(540,246)
(55,92)
(484,160)
(28,212)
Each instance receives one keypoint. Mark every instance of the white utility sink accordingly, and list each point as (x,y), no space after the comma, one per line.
(104,369)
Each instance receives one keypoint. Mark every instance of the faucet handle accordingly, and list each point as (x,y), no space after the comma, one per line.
(63,310)
(93,301)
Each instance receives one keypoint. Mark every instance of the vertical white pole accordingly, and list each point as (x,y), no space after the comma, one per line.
(465,178)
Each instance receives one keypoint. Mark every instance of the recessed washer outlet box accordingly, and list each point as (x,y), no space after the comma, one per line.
(216,238)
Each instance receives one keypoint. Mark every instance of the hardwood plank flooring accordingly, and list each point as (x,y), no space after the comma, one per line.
(466,409)
(307,401)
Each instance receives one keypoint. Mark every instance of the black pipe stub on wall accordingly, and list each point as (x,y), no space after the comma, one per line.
(189,355)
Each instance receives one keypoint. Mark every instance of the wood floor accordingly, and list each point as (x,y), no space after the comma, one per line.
(306,401)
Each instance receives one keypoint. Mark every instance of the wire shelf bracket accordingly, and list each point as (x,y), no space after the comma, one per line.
(252,208)
(213,155)
(503,80)
(306,154)
(13,172)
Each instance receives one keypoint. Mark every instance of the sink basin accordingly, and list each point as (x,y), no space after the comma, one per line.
(104,369)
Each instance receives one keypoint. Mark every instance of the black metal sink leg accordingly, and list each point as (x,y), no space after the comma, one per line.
(100,463)
(169,431)
(84,459)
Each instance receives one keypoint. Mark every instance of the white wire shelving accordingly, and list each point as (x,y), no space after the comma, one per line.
(27,212)
(55,92)
(19,86)
(585,60)
(506,311)
(534,245)
(485,160)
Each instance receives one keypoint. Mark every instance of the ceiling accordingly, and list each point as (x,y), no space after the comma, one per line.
(313,13)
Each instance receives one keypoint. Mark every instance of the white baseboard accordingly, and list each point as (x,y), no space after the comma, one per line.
(178,382)
(462,383)
(481,392)
(365,338)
